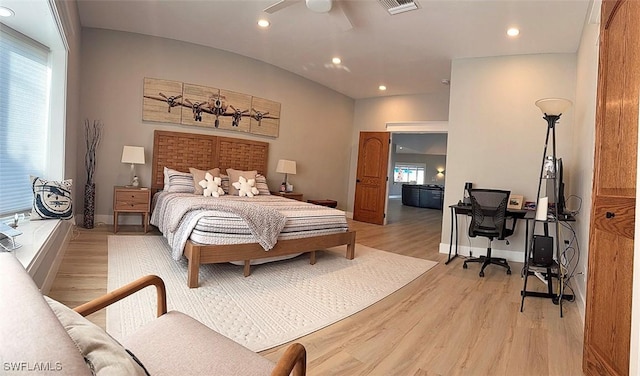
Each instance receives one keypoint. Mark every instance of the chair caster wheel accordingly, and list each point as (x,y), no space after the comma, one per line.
(509,271)
(481,274)
(464,266)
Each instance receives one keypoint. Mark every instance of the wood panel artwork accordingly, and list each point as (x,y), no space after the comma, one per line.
(162,101)
(198,102)
(265,117)
(203,106)
(237,111)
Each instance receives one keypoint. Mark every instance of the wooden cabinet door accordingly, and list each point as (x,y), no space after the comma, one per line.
(371,177)
(611,238)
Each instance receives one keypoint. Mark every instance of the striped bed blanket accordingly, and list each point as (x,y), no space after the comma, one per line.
(262,219)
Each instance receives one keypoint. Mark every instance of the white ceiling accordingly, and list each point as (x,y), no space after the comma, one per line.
(410,53)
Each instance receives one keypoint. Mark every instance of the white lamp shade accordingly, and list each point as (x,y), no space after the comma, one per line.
(133,154)
(286,167)
(553,106)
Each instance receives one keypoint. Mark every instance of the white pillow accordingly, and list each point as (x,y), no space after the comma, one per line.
(165,172)
(104,355)
(246,187)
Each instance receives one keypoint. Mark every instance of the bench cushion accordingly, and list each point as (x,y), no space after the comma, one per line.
(176,344)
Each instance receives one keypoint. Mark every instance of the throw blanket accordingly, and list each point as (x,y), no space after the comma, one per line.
(177,214)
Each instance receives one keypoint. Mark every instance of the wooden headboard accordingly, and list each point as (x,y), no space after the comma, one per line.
(179,151)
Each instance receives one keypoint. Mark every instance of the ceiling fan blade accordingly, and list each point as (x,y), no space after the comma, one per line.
(340,16)
(279,5)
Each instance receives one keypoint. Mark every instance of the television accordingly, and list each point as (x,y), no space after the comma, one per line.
(558,198)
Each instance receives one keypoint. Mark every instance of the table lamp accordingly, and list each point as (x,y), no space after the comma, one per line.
(286,167)
(133,155)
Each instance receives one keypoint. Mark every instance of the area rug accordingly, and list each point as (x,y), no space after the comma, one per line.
(279,301)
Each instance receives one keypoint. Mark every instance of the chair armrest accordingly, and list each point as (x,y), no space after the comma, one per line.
(124,291)
(293,360)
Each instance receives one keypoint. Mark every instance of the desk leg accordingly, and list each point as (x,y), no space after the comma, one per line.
(454,227)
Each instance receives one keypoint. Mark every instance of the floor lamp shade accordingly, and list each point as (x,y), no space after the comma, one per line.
(553,106)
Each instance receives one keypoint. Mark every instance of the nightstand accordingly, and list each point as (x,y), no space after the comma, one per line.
(131,200)
(291,195)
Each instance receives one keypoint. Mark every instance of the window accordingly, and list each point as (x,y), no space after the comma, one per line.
(25,78)
(409,173)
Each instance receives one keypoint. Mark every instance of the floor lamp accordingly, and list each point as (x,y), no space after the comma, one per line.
(552,108)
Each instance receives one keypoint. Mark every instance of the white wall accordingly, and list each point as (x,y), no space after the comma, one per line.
(581,179)
(315,126)
(373,114)
(496,133)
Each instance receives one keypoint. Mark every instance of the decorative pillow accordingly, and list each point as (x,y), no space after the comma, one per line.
(165,173)
(211,185)
(246,187)
(234,177)
(198,175)
(225,183)
(51,199)
(180,182)
(103,354)
(261,184)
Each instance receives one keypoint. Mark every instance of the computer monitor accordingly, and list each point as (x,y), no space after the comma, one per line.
(559,197)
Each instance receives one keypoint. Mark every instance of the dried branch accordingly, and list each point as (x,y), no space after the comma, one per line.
(93,134)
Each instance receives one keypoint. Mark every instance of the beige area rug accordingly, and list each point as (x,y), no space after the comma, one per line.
(279,302)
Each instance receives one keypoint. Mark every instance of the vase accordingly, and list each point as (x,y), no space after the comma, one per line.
(89,204)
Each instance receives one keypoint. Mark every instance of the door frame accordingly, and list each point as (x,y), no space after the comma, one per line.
(409,127)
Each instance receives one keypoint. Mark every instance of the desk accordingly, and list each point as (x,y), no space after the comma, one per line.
(460,209)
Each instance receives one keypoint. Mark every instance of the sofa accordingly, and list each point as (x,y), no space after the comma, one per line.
(40,336)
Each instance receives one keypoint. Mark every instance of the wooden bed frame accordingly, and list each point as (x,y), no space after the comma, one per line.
(179,151)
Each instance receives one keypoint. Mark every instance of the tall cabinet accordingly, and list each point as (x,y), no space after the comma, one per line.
(611,236)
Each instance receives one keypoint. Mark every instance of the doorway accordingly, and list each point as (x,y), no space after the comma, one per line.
(419,160)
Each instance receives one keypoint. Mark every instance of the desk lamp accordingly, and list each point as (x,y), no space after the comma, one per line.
(133,155)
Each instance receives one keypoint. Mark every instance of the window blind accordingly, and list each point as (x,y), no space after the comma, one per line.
(24,118)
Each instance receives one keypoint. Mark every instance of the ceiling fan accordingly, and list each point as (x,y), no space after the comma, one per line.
(334,9)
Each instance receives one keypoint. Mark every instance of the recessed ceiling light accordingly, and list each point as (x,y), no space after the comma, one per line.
(336,60)
(513,32)
(6,12)
(263,23)
(382,88)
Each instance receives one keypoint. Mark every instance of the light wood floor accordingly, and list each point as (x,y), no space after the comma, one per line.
(446,322)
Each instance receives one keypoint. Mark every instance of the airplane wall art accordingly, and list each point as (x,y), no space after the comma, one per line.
(204,106)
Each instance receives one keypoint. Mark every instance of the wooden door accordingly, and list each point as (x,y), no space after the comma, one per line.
(371,177)
(611,236)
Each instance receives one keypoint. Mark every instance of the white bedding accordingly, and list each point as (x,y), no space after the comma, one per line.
(208,223)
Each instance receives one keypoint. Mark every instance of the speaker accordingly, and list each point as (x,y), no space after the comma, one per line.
(542,250)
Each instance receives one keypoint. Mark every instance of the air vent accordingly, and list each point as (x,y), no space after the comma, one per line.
(398,6)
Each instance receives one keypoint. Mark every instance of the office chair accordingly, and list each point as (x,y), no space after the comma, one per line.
(489,220)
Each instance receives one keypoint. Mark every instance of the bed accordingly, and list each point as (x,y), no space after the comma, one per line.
(181,151)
